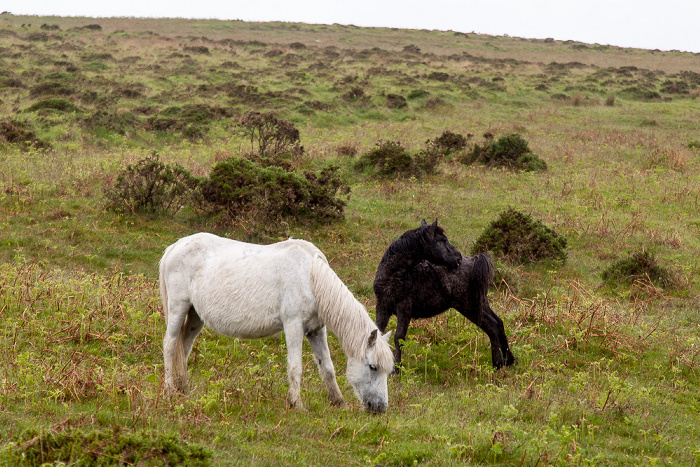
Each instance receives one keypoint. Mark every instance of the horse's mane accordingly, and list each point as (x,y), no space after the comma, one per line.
(345,315)
(409,242)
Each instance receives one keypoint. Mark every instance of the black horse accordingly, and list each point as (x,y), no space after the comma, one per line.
(412,282)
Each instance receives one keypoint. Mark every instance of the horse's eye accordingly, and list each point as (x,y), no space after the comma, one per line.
(373,367)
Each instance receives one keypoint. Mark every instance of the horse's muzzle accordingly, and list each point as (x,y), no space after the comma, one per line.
(375,407)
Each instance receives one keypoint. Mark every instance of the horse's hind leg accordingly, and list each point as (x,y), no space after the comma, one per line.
(507,355)
(174,356)
(489,323)
(294,337)
(319,343)
(193,326)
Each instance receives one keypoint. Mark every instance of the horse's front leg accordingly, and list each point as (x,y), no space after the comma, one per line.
(319,343)
(294,336)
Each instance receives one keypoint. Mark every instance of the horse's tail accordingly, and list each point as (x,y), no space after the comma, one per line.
(480,279)
(179,368)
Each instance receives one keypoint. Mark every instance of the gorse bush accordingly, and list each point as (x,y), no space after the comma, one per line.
(518,238)
(270,135)
(243,189)
(510,151)
(150,186)
(391,159)
(641,265)
(449,142)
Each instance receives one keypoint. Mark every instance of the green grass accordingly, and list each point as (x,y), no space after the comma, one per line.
(604,376)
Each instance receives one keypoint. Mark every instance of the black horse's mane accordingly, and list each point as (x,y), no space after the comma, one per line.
(409,242)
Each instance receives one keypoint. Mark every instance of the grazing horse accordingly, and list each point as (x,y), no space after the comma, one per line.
(412,284)
(254,291)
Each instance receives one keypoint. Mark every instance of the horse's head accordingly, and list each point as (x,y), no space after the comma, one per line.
(438,249)
(368,375)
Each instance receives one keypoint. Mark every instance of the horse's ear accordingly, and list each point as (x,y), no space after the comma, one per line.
(386,336)
(423,223)
(435,223)
(372,338)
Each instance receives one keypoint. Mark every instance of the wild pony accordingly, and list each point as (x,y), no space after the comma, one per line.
(254,291)
(414,281)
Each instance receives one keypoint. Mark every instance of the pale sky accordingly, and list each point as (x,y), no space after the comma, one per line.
(647,24)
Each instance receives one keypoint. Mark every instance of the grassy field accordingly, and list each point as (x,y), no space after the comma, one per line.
(604,375)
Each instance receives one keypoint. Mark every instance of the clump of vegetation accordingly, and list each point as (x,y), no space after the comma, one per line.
(150,186)
(448,142)
(395,101)
(694,144)
(191,120)
(17,133)
(638,266)
(270,135)
(113,122)
(510,151)
(244,189)
(518,238)
(391,159)
(54,103)
(106,447)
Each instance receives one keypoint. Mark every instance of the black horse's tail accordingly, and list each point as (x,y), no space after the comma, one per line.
(480,279)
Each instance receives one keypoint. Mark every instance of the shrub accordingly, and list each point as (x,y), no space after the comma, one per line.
(395,101)
(150,186)
(272,135)
(510,151)
(642,265)
(246,190)
(449,142)
(518,238)
(391,159)
(54,103)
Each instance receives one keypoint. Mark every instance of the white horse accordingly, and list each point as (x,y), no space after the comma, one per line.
(253,291)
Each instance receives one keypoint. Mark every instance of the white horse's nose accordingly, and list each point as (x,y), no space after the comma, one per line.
(376,407)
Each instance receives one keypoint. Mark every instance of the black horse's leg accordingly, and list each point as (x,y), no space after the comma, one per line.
(403,318)
(489,325)
(507,355)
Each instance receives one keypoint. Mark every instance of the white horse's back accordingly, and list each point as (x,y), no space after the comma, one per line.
(241,289)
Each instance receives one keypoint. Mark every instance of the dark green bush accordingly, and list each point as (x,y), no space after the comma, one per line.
(510,151)
(391,159)
(54,103)
(448,142)
(243,189)
(642,265)
(150,186)
(518,238)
